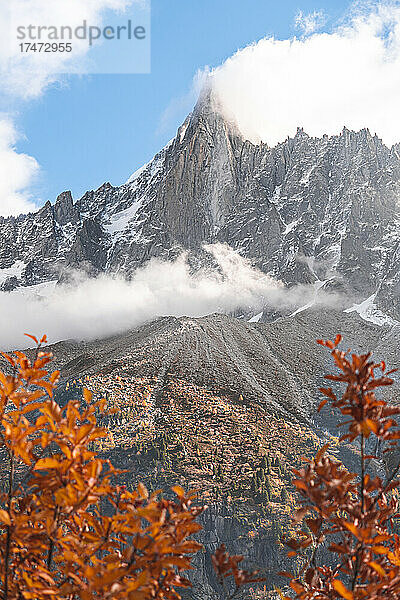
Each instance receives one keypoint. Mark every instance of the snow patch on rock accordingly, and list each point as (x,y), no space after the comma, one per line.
(369,312)
(256,318)
(15,270)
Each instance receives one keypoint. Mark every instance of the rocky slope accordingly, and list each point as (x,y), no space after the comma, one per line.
(212,402)
(322,211)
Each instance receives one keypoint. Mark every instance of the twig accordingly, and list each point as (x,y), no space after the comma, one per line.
(8,538)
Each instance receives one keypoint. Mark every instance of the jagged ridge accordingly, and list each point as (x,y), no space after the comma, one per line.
(305,211)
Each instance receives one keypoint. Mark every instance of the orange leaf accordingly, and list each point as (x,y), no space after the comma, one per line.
(328,392)
(372,425)
(47,386)
(342,590)
(34,405)
(377,568)
(321,405)
(300,484)
(321,452)
(380,549)
(5,517)
(351,527)
(46,463)
(286,574)
(8,358)
(142,491)
(179,491)
(87,395)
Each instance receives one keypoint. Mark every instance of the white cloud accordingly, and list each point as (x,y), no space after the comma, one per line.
(17,172)
(95,308)
(184,103)
(350,77)
(26,77)
(311,22)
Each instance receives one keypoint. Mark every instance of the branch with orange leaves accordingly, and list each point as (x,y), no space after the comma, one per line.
(55,538)
(351,512)
(227,566)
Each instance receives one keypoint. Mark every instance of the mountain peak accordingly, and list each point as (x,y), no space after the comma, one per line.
(210,109)
(308,211)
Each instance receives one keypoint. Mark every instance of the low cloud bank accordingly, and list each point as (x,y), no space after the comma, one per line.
(93,308)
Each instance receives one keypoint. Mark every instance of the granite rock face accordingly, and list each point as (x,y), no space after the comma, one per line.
(308,210)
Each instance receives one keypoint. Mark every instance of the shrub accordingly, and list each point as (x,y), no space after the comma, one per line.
(67,530)
(227,568)
(351,514)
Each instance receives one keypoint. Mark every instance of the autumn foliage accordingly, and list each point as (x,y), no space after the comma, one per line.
(67,530)
(351,516)
(227,567)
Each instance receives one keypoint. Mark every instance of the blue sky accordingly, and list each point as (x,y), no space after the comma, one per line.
(96,128)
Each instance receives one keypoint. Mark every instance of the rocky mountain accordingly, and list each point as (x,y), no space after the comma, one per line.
(213,402)
(310,211)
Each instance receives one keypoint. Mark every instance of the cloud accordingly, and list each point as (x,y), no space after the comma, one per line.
(26,77)
(322,82)
(309,23)
(95,308)
(183,104)
(17,171)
